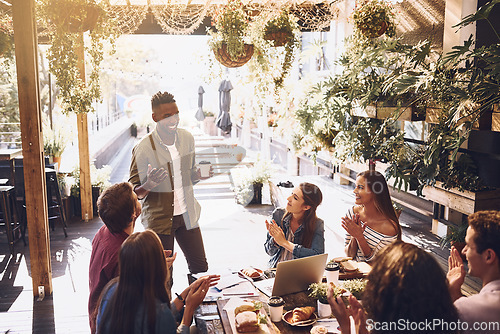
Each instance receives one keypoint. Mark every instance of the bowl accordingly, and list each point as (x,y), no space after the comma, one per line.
(311,321)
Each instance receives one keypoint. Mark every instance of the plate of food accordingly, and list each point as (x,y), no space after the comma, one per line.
(300,316)
(252,273)
(249,317)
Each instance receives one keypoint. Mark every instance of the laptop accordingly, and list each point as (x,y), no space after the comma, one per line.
(294,275)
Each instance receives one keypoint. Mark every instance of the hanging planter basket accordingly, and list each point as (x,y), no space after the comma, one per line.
(279,38)
(223,57)
(372,32)
(81,19)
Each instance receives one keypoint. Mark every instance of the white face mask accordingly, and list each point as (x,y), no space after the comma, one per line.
(168,124)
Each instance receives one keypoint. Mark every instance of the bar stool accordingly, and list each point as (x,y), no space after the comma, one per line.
(15,229)
(54,199)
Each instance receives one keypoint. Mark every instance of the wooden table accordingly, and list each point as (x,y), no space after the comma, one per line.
(10,154)
(207,320)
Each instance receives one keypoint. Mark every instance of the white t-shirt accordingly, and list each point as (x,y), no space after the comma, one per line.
(179,201)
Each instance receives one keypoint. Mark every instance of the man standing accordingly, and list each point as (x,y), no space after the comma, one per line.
(482,250)
(163,173)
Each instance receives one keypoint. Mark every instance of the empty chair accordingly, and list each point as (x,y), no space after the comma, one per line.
(54,199)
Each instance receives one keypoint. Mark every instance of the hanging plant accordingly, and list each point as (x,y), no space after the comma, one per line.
(373,18)
(276,36)
(229,43)
(6,40)
(67,20)
(281,29)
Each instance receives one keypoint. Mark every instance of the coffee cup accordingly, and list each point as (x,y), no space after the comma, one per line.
(332,271)
(276,304)
(205,168)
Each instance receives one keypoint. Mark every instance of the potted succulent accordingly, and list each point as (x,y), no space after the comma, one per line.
(229,43)
(373,18)
(67,20)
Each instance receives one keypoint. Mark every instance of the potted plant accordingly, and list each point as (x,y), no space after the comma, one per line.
(229,43)
(455,237)
(281,29)
(99,178)
(54,144)
(248,181)
(373,18)
(319,291)
(67,20)
(276,37)
(209,126)
(355,286)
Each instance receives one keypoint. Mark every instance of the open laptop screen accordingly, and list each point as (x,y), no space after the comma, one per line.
(294,275)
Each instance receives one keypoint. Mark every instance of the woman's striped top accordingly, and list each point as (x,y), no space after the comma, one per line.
(375,240)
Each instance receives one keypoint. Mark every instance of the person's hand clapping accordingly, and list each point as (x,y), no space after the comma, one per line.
(456,273)
(276,232)
(199,288)
(353,226)
(155,176)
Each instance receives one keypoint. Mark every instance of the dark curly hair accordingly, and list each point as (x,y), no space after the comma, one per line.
(486,224)
(161,98)
(407,284)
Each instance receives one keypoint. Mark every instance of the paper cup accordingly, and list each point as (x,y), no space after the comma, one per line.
(276,308)
(332,272)
(205,168)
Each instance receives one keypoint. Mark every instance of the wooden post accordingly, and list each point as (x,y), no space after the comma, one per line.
(83,148)
(25,38)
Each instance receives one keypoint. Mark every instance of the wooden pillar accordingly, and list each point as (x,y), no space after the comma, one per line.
(25,38)
(83,148)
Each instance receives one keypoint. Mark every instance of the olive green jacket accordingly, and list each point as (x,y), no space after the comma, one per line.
(158,205)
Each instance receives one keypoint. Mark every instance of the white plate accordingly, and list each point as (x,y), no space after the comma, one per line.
(254,278)
(288,316)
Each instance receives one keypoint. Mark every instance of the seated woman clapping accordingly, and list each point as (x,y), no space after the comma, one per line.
(296,232)
(137,301)
(372,224)
(406,288)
